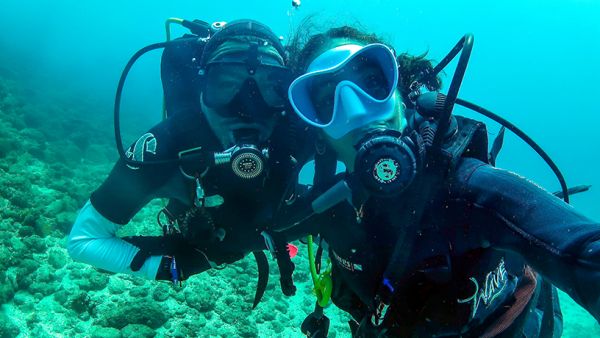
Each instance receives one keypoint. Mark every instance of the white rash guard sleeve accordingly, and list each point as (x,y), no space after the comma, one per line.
(93,240)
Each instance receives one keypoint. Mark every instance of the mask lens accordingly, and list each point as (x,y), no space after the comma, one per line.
(222,83)
(226,80)
(368,74)
(274,84)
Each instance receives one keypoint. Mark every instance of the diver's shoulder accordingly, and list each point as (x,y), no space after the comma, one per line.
(466,167)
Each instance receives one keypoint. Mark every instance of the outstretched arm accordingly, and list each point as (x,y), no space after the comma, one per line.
(517,215)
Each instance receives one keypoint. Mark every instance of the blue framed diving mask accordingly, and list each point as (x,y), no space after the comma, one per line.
(347,88)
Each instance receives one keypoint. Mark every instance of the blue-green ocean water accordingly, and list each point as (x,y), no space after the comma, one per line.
(537,63)
(534,62)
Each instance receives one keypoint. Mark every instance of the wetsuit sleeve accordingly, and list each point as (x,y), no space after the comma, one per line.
(514,214)
(129,188)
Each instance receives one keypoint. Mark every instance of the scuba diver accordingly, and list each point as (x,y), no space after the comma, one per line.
(224,157)
(425,236)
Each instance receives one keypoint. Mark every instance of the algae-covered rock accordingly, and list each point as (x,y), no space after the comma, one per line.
(6,257)
(201,300)
(54,208)
(247,329)
(23,273)
(42,281)
(7,145)
(281,306)
(44,226)
(116,285)
(92,280)
(104,332)
(61,296)
(80,302)
(265,316)
(23,298)
(64,221)
(178,294)
(278,326)
(8,328)
(39,331)
(161,292)
(28,266)
(35,244)
(57,257)
(230,311)
(200,320)
(26,231)
(183,332)
(139,291)
(40,289)
(192,325)
(7,289)
(137,331)
(19,250)
(44,274)
(301,276)
(142,311)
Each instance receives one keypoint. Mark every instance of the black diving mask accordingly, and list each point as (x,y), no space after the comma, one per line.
(233,89)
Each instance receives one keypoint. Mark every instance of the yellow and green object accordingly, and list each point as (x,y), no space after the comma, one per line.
(168,23)
(321,281)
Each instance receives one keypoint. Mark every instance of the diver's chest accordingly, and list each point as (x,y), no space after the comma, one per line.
(439,259)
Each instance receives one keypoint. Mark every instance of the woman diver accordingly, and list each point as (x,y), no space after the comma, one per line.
(426,237)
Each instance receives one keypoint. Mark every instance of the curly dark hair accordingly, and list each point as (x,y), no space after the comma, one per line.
(305,43)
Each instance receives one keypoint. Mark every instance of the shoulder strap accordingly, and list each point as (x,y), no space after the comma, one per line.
(469,140)
(325,167)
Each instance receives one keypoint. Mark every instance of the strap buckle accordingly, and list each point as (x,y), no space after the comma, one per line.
(378,316)
(200,196)
(168,227)
(269,243)
(382,302)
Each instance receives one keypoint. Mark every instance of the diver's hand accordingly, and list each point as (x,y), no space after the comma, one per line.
(287,286)
(186,262)
(153,246)
(180,259)
(316,325)
(366,329)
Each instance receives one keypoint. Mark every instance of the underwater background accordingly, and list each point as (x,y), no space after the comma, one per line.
(536,63)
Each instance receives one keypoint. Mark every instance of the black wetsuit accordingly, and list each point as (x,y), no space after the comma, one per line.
(247,210)
(468,272)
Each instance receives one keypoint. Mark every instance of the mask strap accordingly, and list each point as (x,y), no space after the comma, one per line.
(252,61)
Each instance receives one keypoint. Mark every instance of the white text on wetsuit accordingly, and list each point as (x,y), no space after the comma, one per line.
(495,282)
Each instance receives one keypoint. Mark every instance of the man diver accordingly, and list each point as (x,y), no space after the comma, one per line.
(426,238)
(223,157)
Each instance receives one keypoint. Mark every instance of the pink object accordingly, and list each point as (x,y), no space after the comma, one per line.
(292,250)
